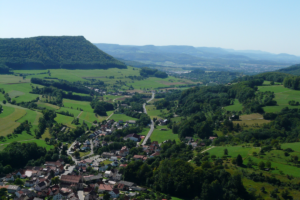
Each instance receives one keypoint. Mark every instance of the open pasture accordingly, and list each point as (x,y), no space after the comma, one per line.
(9,79)
(19,90)
(105,74)
(153,112)
(282,97)
(233,151)
(237,106)
(160,135)
(123,117)
(84,105)
(252,119)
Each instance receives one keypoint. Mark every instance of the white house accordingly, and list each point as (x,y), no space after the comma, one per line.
(41,186)
(29,183)
(9,177)
(108,174)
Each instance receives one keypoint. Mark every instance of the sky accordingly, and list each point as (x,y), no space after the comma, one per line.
(268,25)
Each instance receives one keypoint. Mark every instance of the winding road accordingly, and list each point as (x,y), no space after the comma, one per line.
(152,123)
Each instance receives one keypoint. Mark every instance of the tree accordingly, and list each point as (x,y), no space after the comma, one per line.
(76,154)
(18,182)
(239,160)
(55,180)
(226,152)
(106,195)
(4,101)
(268,164)
(272,83)
(47,140)
(261,165)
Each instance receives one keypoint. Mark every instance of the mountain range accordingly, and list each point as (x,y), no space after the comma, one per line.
(189,56)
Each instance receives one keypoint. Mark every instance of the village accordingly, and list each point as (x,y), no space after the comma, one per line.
(91,176)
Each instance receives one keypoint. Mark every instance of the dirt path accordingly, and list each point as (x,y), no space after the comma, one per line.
(109,116)
(79,114)
(204,151)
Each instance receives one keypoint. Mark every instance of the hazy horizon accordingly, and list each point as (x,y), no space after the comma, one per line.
(266,26)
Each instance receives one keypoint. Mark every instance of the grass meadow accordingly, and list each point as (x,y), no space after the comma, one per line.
(237,106)
(123,117)
(161,136)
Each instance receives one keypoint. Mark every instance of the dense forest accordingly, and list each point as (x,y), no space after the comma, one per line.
(292,82)
(54,52)
(146,72)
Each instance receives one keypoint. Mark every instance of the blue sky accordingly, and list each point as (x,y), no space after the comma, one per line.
(267,25)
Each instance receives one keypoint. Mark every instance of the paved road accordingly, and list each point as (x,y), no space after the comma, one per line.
(80,195)
(68,152)
(152,123)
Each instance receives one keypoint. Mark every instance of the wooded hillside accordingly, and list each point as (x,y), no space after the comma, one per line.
(54,52)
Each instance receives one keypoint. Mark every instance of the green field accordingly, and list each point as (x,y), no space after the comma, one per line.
(282,96)
(233,151)
(103,75)
(161,136)
(39,142)
(123,117)
(153,112)
(7,110)
(84,105)
(237,106)
(75,112)
(145,131)
(19,91)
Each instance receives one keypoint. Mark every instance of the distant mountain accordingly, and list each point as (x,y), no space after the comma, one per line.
(294,70)
(207,57)
(45,52)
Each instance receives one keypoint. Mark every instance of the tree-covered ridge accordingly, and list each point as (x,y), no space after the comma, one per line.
(294,70)
(267,76)
(54,52)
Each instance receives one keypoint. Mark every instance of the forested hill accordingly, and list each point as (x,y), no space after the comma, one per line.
(47,52)
(294,70)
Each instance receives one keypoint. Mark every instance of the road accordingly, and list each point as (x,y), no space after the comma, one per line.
(152,123)
(80,194)
(92,149)
(68,152)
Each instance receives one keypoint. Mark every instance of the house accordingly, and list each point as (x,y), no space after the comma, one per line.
(9,177)
(189,139)
(127,183)
(113,158)
(103,168)
(202,144)
(103,188)
(154,154)
(133,137)
(164,122)
(25,192)
(90,179)
(108,174)
(68,180)
(131,121)
(115,164)
(194,144)
(116,176)
(124,151)
(212,138)
(107,154)
(140,157)
(123,165)
(29,183)
(42,185)
(124,105)
(13,188)
(114,193)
